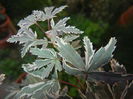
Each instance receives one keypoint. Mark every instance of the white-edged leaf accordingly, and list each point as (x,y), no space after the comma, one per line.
(89,52)
(60,27)
(57,64)
(27,22)
(57,10)
(27,38)
(43,67)
(29,90)
(69,54)
(29,44)
(103,55)
(42,62)
(71,70)
(72,29)
(42,53)
(23,36)
(50,86)
(50,12)
(40,72)
(19,38)
(38,15)
(70,38)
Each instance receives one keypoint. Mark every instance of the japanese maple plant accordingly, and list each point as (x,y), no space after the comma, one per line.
(58,51)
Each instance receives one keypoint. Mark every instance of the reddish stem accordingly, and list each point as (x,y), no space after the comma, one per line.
(21,77)
(69,84)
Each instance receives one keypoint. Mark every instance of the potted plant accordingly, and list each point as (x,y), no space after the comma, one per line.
(58,52)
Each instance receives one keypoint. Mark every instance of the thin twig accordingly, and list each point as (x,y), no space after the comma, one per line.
(40,28)
(49,27)
(69,84)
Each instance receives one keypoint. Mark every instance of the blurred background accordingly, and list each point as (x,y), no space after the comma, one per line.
(99,19)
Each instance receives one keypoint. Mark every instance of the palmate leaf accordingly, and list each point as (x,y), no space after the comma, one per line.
(28,39)
(60,27)
(49,57)
(23,36)
(92,60)
(37,15)
(27,22)
(50,12)
(51,86)
(38,72)
(69,54)
(27,45)
(103,55)
(42,67)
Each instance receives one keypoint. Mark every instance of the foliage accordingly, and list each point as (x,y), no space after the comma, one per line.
(94,30)
(56,53)
(10,60)
(107,10)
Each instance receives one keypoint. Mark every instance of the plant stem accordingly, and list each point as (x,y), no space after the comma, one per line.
(69,84)
(79,82)
(49,24)
(40,28)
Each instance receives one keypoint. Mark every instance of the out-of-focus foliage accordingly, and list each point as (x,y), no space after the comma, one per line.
(94,30)
(10,61)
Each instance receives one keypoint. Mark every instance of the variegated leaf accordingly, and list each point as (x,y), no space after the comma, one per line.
(71,70)
(50,86)
(89,52)
(42,53)
(70,38)
(29,44)
(50,12)
(38,72)
(69,54)
(60,27)
(103,55)
(23,36)
(42,67)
